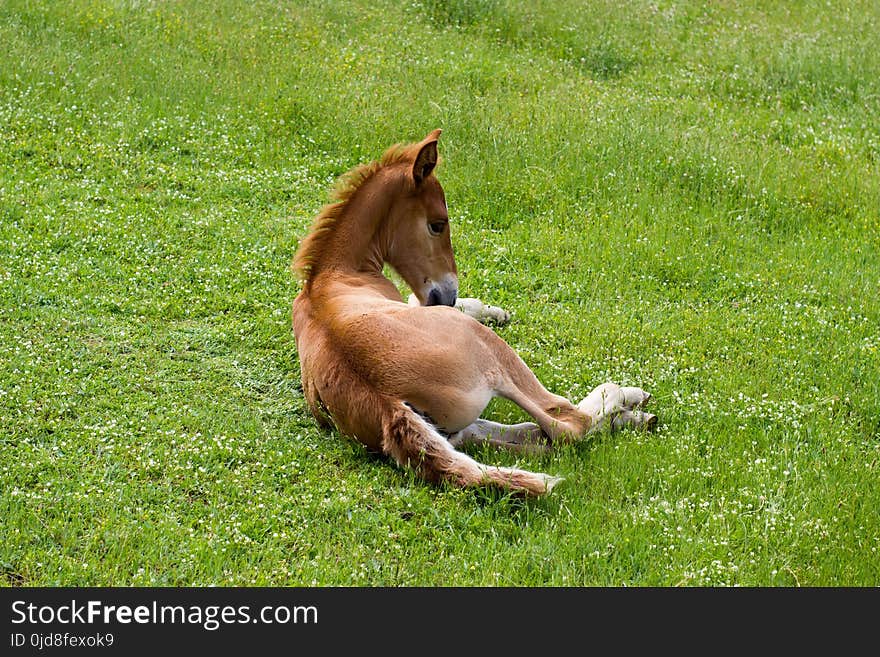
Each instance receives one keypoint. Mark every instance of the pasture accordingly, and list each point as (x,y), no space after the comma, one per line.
(681,196)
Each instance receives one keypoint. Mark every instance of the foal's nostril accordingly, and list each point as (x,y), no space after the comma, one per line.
(433,297)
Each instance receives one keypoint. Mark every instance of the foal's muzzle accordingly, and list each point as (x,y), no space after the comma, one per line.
(437,297)
(443,292)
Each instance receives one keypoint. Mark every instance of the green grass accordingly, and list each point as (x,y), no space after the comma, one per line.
(671,195)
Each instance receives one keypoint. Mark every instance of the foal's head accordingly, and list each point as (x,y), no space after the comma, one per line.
(420,248)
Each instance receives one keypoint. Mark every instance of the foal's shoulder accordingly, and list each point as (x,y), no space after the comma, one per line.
(437,319)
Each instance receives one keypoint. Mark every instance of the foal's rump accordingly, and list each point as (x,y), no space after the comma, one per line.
(390,425)
(381,396)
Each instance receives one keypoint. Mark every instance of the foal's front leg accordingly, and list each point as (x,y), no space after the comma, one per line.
(482,312)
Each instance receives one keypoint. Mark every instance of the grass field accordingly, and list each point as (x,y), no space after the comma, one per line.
(681,196)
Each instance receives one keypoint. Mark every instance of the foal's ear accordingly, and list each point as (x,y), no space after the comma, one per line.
(426,160)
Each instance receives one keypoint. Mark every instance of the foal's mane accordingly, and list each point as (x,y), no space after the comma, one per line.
(313,244)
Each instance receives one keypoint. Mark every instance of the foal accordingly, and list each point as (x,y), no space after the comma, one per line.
(412,380)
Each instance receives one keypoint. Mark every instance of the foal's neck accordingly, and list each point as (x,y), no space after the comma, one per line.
(360,239)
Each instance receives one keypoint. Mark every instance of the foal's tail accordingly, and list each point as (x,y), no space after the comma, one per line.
(414,443)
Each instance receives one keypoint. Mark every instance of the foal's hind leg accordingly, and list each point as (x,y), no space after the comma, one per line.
(525,438)
(560,420)
(610,403)
(508,376)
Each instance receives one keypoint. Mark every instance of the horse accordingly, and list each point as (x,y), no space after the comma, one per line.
(410,380)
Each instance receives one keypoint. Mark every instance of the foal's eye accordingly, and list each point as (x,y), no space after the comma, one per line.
(436,227)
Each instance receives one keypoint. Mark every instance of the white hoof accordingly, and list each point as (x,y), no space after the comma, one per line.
(635,419)
(605,399)
(483,313)
(634,397)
